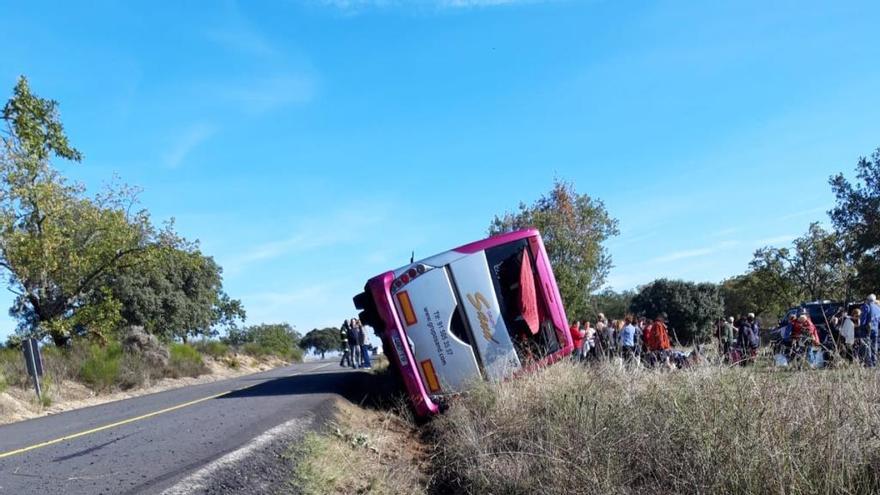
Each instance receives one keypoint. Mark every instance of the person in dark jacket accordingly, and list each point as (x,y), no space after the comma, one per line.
(871,322)
(755,337)
(343,340)
(353,345)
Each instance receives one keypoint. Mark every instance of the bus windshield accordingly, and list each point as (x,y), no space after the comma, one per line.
(511,266)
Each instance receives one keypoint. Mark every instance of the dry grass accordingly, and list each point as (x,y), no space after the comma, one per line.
(574,429)
(362,451)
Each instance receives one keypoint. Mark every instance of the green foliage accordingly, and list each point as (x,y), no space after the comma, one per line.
(758,291)
(573,227)
(83,265)
(614,305)
(691,308)
(278,339)
(213,348)
(3,384)
(175,293)
(321,341)
(57,245)
(814,268)
(100,370)
(185,360)
(856,216)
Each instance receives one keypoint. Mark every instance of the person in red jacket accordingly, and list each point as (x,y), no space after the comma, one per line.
(577,336)
(656,336)
(657,341)
(805,325)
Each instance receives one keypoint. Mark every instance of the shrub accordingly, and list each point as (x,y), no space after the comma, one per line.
(268,339)
(254,350)
(213,348)
(100,369)
(185,361)
(3,384)
(708,430)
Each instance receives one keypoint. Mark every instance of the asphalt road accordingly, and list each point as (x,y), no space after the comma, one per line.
(164,441)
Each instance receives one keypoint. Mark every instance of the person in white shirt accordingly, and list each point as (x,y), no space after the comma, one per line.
(848,333)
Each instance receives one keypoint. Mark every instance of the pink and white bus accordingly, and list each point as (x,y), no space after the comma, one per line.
(482,311)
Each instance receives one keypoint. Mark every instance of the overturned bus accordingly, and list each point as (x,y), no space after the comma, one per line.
(482,311)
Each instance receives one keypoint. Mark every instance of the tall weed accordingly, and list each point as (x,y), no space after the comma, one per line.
(604,429)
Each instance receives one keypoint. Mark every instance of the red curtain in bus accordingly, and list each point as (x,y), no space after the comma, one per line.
(528,301)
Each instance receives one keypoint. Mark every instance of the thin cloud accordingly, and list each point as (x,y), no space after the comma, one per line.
(694,253)
(285,306)
(243,40)
(186,142)
(270,93)
(770,241)
(803,213)
(359,5)
(236,33)
(341,227)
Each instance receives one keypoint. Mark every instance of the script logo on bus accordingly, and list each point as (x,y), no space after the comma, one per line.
(481,304)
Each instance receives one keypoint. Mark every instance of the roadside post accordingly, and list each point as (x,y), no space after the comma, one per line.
(34,362)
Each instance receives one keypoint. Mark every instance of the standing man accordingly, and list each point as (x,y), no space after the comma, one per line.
(871,321)
(755,336)
(353,346)
(848,333)
(728,338)
(346,353)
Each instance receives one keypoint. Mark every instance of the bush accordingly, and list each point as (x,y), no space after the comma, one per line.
(269,339)
(185,361)
(254,350)
(213,348)
(3,384)
(708,430)
(692,308)
(100,369)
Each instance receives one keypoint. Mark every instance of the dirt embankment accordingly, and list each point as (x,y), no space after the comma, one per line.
(18,404)
(372,445)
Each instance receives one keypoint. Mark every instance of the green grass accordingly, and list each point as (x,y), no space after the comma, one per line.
(258,350)
(312,476)
(719,430)
(213,348)
(185,360)
(100,369)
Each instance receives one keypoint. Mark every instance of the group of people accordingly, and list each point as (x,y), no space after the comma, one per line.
(354,346)
(739,338)
(853,335)
(632,338)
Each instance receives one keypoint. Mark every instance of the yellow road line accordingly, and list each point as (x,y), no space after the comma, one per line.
(130,420)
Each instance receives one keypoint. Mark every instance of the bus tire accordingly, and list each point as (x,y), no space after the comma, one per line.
(362,300)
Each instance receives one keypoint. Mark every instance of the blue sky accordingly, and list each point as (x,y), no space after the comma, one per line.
(310,145)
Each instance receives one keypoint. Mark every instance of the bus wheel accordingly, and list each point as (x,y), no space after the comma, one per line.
(362,300)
